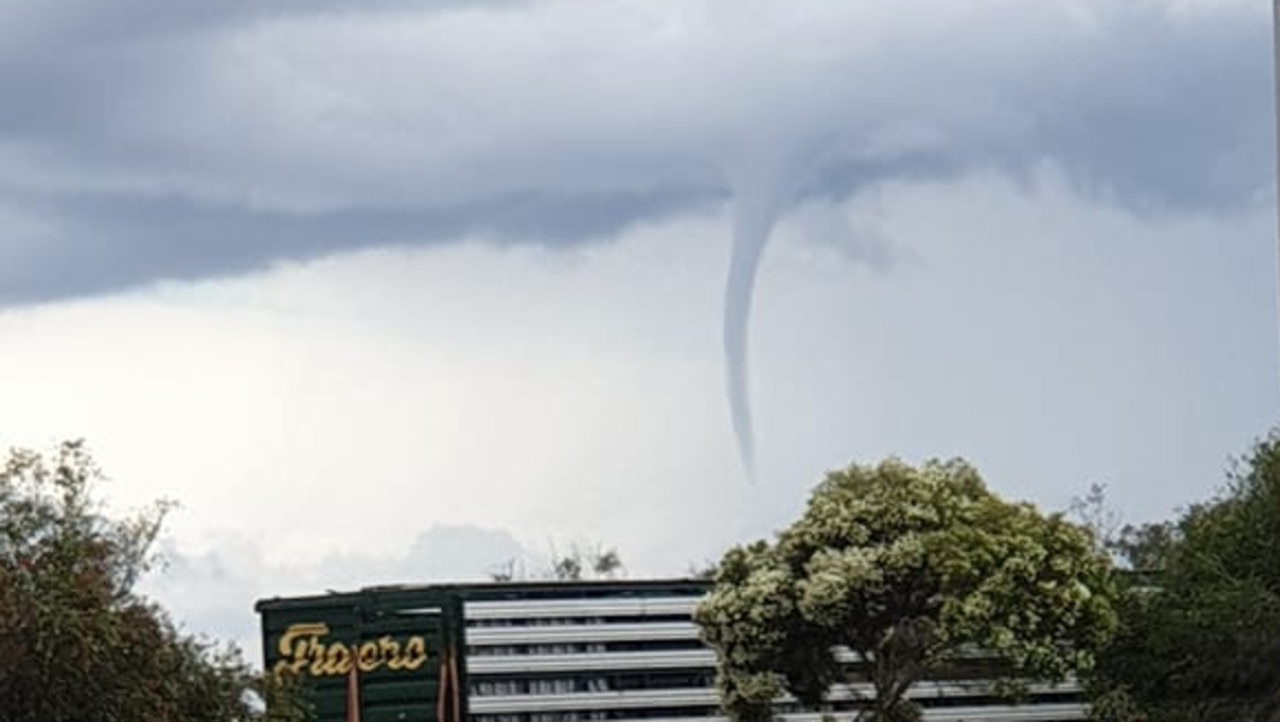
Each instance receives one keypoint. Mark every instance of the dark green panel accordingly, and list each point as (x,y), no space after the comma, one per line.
(396,639)
(407,713)
(399,692)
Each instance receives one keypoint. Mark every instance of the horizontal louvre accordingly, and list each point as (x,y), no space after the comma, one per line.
(594,662)
(608,661)
(695,697)
(564,634)
(991,713)
(569,608)
(638,699)
(1070,712)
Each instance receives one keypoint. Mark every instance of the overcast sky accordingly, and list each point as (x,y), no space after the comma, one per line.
(390,294)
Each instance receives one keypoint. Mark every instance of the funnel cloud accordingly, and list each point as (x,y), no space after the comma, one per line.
(758,198)
(751,227)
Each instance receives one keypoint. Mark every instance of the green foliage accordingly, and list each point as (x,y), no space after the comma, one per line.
(704,571)
(76,641)
(577,564)
(1200,636)
(910,568)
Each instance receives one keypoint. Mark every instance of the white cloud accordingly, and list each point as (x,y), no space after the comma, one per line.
(213,582)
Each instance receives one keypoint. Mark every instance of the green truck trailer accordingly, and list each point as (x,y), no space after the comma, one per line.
(377,655)
(622,651)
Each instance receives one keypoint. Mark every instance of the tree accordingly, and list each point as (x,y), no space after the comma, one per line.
(76,641)
(705,571)
(1199,636)
(1103,522)
(909,568)
(575,565)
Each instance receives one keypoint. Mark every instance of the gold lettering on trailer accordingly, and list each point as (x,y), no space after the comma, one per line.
(337,660)
(415,651)
(390,652)
(294,644)
(302,648)
(367,658)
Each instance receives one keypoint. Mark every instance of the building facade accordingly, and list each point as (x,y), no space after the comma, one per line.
(557,652)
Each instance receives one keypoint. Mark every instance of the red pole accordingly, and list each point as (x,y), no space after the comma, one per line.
(353,689)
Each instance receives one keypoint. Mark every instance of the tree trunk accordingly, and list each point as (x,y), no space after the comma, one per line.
(898,665)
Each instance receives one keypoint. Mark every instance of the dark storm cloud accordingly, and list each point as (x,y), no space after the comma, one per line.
(143,141)
(118,241)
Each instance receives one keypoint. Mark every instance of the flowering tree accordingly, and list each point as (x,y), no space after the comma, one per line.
(908,568)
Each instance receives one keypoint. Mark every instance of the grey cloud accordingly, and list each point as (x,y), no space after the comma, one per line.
(1185,121)
(92,22)
(113,241)
(190,141)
